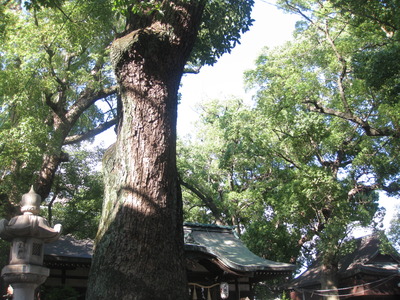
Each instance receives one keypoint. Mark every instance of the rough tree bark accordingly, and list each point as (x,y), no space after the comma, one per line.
(139,250)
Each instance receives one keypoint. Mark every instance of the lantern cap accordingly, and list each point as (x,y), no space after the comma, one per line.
(30,202)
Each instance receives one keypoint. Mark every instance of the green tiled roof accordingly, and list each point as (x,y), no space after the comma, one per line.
(222,243)
(218,242)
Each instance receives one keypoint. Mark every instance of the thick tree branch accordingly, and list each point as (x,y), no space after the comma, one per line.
(206,200)
(362,189)
(343,70)
(50,103)
(53,73)
(89,134)
(86,99)
(298,11)
(315,106)
(191,70)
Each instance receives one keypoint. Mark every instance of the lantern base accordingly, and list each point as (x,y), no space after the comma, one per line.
(24,279)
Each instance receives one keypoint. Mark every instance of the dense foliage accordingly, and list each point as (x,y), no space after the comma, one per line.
(78,193)
(228,172)
(53,68)
(331,119)
(306,162)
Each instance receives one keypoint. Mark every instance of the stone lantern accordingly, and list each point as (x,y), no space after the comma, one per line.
(27,233)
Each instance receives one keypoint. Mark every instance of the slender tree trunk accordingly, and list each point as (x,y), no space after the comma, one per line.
(139,250)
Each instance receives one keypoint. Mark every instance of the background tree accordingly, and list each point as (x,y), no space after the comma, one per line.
(338,135)
(215,164)
(53,69)
(326,129)
(394,230)
(227,171)
(78,193)
(373,63)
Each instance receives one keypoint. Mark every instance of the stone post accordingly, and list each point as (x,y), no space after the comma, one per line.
(27,233)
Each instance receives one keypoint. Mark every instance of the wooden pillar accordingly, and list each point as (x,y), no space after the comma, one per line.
(237,288)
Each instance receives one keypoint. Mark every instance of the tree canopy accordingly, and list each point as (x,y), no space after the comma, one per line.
(52,72)
(321,140)
(331,120)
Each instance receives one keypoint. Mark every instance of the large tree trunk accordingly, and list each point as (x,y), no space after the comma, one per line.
(139,250)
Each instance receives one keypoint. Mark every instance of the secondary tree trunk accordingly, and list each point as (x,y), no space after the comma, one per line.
(139,250)
(50,164)
(329,282)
